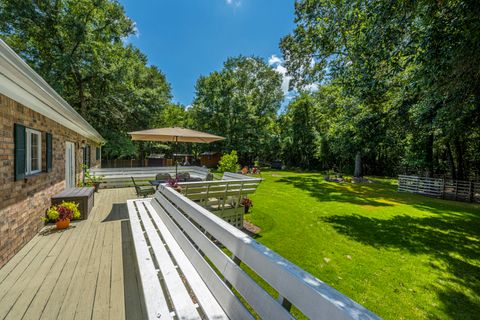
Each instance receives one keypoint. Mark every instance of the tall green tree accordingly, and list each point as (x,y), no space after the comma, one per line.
(79,48)
(399,60)
(241,103)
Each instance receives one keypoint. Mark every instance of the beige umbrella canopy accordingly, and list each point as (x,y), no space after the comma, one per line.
(174,134)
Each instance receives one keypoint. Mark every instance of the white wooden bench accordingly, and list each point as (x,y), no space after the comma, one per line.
(121,177)
(238,176)
(189,262)
(222,197)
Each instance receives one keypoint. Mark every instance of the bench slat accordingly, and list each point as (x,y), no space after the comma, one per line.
(184,307)
(261,301)
(232,306)
(205,298)
(155,301)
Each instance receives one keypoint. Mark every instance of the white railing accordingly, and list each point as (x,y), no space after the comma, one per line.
(196,227)
(121,177)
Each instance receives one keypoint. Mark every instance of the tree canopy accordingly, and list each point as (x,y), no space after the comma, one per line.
(240,102)
(411,69)
(78,47)
(386,87)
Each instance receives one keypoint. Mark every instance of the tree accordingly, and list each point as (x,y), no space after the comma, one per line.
(300,146)
(406,62)
(239,102)
(78,48)
(172,115)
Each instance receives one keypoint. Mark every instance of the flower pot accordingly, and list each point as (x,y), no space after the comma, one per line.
(96,186)
(62,224)
(246,209)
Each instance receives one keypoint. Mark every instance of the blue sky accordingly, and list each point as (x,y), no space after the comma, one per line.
(189,38)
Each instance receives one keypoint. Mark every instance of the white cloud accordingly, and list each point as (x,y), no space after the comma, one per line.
(277,64)
(236,3)
(312,87)
(274,60)
(136,32)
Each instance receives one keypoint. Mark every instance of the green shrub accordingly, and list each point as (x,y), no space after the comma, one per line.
(229,162)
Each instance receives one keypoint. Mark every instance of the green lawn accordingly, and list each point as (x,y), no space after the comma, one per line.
(402,256)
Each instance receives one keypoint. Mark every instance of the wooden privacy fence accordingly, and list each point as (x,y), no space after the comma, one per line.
(440,188)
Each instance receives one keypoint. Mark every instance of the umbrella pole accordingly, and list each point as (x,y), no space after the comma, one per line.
(175,159)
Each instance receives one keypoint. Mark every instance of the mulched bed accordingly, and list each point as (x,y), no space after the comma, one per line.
(250,228)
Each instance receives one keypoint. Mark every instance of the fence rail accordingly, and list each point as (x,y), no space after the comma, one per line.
(458,190)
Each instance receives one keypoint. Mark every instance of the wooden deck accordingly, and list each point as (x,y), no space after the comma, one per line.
(85,272)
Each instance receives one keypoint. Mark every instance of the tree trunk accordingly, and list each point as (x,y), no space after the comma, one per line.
(358,165)
(429,155)
(451,161)
(460,160)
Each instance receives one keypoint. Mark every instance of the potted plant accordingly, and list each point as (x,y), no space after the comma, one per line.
(63,213)
(94,181)
(173,183)
(91,180)
(246,203)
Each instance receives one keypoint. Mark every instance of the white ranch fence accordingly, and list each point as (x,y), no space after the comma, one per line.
(440,188)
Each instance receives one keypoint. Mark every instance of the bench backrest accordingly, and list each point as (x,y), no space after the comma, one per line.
(203,190)
(195,228)
(120,177)
(237,176)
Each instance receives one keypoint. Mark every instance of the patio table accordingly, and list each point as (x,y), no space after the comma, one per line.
(156,183)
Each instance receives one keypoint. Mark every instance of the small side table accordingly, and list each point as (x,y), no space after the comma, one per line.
(83,196)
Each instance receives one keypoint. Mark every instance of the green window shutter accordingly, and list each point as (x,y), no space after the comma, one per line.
(20,141)
(49,149)
(89,156)
(97,153)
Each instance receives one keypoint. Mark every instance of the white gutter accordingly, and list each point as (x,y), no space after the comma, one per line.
(21,83)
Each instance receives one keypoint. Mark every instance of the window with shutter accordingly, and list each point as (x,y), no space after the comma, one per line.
(20,154)
(33,151)
(86,156)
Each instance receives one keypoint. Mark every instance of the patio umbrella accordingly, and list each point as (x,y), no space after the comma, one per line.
(174,134)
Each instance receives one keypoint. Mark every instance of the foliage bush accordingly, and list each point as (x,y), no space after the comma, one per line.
(63,211)
(229,162)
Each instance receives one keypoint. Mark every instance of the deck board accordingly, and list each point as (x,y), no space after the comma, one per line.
(85,272)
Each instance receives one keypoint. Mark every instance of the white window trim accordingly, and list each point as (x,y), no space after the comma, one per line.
(28,167)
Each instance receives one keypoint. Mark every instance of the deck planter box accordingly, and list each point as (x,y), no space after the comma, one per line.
(83,196)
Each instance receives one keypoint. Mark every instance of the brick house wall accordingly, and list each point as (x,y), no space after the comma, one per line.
(24,202)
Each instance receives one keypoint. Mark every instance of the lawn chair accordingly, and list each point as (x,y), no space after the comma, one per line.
(163,177)
(183,176)
(143,191)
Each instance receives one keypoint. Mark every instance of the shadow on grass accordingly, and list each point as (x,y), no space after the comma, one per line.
(377,194)
(342,192)
(451,235)
(452,239)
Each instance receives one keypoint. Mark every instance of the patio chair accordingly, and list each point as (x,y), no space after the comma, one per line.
(164,176)
(209,177)
(143,191)
(183,177)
